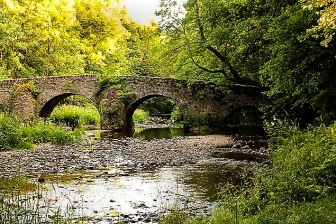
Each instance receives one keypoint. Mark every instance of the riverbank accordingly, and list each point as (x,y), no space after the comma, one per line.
(131,153)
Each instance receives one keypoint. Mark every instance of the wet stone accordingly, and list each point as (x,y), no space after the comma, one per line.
(127,155)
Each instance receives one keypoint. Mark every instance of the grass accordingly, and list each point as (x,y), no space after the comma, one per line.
(21,202)
(14,134)
(140,116)
(76,116)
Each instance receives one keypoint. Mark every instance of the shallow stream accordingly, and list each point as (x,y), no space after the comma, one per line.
(120,194)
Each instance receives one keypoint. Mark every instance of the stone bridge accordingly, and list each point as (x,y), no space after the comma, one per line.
(117,98)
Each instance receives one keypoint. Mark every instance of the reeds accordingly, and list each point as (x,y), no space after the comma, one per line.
(22,202)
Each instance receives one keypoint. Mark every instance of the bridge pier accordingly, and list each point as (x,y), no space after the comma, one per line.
(24,104)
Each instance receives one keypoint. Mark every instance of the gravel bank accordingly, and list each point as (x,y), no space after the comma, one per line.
(138,154)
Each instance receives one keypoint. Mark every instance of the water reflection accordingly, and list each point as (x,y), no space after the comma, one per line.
(159,133)
(209,176)
(244,131)
(106,194)
(150,133)
(168,133)
(99,196)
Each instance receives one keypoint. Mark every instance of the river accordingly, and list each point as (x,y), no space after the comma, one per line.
(131,195)
(135,179)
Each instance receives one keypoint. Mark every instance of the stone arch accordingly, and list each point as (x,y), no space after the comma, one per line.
(136,103)
(239,108)
(49,105)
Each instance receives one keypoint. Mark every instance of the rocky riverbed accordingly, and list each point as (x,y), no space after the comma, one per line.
(132,153)
(106,160)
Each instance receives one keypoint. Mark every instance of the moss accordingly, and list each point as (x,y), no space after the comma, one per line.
(107,82)
(68,86)
(29,86)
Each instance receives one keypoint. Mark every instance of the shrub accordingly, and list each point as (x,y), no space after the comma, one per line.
(303,174)
(9,133)
(75,116)
(140,116)
(15,134)
(176,114)
(41,132)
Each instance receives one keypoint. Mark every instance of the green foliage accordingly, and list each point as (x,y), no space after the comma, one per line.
(298,85)
(176,216)
(76,116)
(40,132)
(259,43)
(299,187)
(326,22)
(126,96)
(37,39)
(107,81)
(302,175)
(198,120)
(140,116)
(29,86)
(219,41)
(304,161)
(9,131)
(158,105)
(44,38)
(176,114)
(143,50)
(15,134)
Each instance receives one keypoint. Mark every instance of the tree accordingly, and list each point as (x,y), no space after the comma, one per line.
(299,72)
(99,26)
(327,22)
(256,43)
(143,49)
(219,37)
(36,40)
(43,38)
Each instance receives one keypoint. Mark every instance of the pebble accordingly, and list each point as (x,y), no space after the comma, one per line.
(131,153)
(127,154)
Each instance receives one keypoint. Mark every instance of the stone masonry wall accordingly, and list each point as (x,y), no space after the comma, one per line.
(119,101)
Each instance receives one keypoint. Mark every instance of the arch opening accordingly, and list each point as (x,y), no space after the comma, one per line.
(246,120)
(158,109)
(72,111)
(51,104)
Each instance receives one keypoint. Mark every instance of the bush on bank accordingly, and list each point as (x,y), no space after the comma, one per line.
(140,116)
(15,134)
(299,187)
(76,116)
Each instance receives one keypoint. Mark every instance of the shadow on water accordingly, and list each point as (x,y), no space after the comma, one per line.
(169,133)
(150,133)
(209,176)
(244,131)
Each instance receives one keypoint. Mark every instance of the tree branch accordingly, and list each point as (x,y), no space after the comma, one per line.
(223,59)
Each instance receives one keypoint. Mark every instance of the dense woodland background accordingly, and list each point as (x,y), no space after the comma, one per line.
(285,48)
